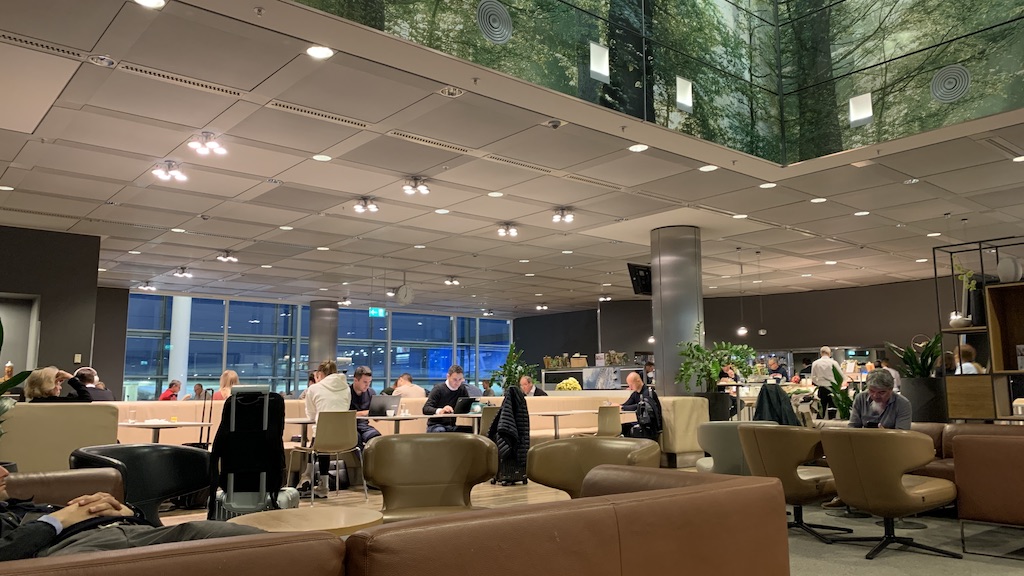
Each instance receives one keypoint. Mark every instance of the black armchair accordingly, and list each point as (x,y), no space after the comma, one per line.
(152,473)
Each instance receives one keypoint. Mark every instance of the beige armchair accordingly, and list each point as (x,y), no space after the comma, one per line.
(871,466)
(422,475)
(565,462)
(41,437)
(722,441)
(781,452)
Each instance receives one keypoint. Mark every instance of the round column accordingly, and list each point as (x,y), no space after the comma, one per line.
(678,299)
(181,323)
(323,331)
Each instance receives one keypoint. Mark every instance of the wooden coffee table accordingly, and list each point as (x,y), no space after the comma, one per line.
(337,520)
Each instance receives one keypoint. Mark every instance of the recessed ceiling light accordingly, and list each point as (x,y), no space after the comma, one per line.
(757,281)
(101,269)
(934,234)
(830,262)
(805,275)
(712,287)
(6,188)
(708,168)
(911,181)
(419,246)
(861,213)
(441,211)
(606,284)
(768,185)
(322,248)
(344,283)
(530,275)
(566,251)
(266,266)
(151,3)
(726,276)
(1019,159)
(495,194)
(524,261)
(134,252)
(286,228)
(179,230)
(538,294)
(318,52)
(739,216)
(323,289)
(921,260)
(818,200)
(322,158)
(638,147)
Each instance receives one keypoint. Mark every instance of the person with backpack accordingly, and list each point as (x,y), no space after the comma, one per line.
(644,401)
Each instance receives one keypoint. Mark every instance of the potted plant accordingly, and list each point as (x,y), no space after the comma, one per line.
(8,403)
(972,309)
(509,373)
(840,397)
(701,366)
(927,394)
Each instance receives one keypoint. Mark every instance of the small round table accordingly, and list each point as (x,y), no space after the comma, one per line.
(337,520)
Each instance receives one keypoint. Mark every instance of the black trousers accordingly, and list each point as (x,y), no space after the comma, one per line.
(825,396)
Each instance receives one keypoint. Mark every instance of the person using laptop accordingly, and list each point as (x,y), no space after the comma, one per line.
(406,389)
(361,396)
(442,400)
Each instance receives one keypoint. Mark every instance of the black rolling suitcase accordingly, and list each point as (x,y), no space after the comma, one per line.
(199,499)
(511,451)
(511,470)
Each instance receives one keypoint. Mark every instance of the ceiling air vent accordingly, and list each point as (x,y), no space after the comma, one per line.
(950,83)
(180,80)
(518,163)
(41,46)
(592,182)
(428,141)
(494,21)
(314,113)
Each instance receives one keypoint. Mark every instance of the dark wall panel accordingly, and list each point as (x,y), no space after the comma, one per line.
(626,325)
(61,269)
(553,334)
(109,340)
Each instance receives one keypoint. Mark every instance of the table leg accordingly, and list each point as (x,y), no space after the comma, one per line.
(398,426)
(556,426)
(156,435)
(304,441)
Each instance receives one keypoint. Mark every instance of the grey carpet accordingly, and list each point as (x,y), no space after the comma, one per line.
(809,557)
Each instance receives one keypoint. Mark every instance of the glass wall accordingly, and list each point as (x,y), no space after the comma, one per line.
(268,343)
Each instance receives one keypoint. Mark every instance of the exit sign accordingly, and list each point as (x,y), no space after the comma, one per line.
(378,312)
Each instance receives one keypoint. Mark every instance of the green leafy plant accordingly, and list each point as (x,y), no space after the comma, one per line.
(919,358)
(509,373)
(8,403)
(964,275)
(701,365)
(840,398)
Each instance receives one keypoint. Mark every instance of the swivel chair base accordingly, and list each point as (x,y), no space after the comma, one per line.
(890,537)
(798,522)
(847,513)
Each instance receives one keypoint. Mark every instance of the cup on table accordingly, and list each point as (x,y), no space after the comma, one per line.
(131,416)
(174,418)
(390,412)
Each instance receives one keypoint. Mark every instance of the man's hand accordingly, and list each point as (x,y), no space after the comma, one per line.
(446,410)
(101,504)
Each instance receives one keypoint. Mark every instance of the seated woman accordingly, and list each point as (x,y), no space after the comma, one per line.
(227,381)
(44,385)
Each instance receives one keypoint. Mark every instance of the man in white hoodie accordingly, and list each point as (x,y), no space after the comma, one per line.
(330,393)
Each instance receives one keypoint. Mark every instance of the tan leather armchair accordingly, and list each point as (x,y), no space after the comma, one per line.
(722,441)
(989,486)
(565,462)
(781,452)
(60,487)
(871,466)
(422,475)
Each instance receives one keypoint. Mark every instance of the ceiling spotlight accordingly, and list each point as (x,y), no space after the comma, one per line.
(266,266)
(767,185)
(322,248)
(508,229)
(604,299)
(934,234)
(818,200)
(566,251)
(741,331)
(739,216)
(442,211)
(708,168)
(830,262)
(318,52)
(911,181)
(563,215)
(146,286)
(227,257)
(151,3)
(861,213)
(638,147)
(345,302)
(178,230)
(763,332)
(6,188)
(488,312)
(921,260)
(101,269)
(169,169)
(365,205)
(205,143)
(415,185)
(419,246)
(134,252)
(451,281)
(322,158)
(1019,159)
(182,272)
(390,292)
(285,228)
(495,194)
(542,306)
(529,274)
(806,275)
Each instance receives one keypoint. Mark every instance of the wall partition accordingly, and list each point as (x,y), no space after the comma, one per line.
(268,343)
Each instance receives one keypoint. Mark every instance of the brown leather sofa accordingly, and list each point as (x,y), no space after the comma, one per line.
(942,436)
(989,485)
(564,463)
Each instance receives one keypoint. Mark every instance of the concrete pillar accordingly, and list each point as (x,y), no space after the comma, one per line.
(181,325)
(323,331)
(678,299)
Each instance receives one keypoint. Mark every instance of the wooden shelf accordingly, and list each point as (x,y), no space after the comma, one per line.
(1007,372)
(968,330)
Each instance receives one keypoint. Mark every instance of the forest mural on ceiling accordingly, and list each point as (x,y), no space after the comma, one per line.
(771,78)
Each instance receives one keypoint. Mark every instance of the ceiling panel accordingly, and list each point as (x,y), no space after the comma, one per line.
(291,130)
(558,191)
(41,78)
(333,176)
(632,169)
(115,133)
(487,175)
(473,121)
(695,185)
(559,149)
(166,200)
(141,96)
(941,157)
(74,24)
(399,155)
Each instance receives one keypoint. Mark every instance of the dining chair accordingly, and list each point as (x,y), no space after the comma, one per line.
(336,434)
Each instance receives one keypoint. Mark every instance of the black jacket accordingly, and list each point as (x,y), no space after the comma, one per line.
(510,430)
(22,537)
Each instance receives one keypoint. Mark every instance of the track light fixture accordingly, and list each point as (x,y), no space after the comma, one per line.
(227,257)
(182,272)
(169,169)
(563,215)
(604,299)
(451,281)
(146,286)
(508,229)
(205,143)
(488,312)
(390,292)
(365,205)
(346,302)
(542,306)
(414,185)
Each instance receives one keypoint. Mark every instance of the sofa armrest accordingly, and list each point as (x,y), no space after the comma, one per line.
(60,487)
(318,553)
(988,481)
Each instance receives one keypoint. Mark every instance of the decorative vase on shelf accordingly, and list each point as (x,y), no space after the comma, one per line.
(958,321)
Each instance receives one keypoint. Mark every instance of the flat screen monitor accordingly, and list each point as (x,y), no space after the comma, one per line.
(640,275)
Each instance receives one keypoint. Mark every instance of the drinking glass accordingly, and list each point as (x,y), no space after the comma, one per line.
(131,416)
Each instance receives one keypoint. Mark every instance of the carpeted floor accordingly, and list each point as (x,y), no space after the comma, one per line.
(809,557)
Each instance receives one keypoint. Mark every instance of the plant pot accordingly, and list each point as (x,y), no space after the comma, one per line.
(927,398)
(719,405)
(11,467)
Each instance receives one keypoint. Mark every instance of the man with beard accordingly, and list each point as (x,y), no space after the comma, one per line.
(879,406)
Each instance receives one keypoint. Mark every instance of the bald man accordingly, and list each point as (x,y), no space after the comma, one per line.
(636,384)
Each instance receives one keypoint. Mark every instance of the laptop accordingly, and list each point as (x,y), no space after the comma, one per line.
(380,404)
(464,405)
